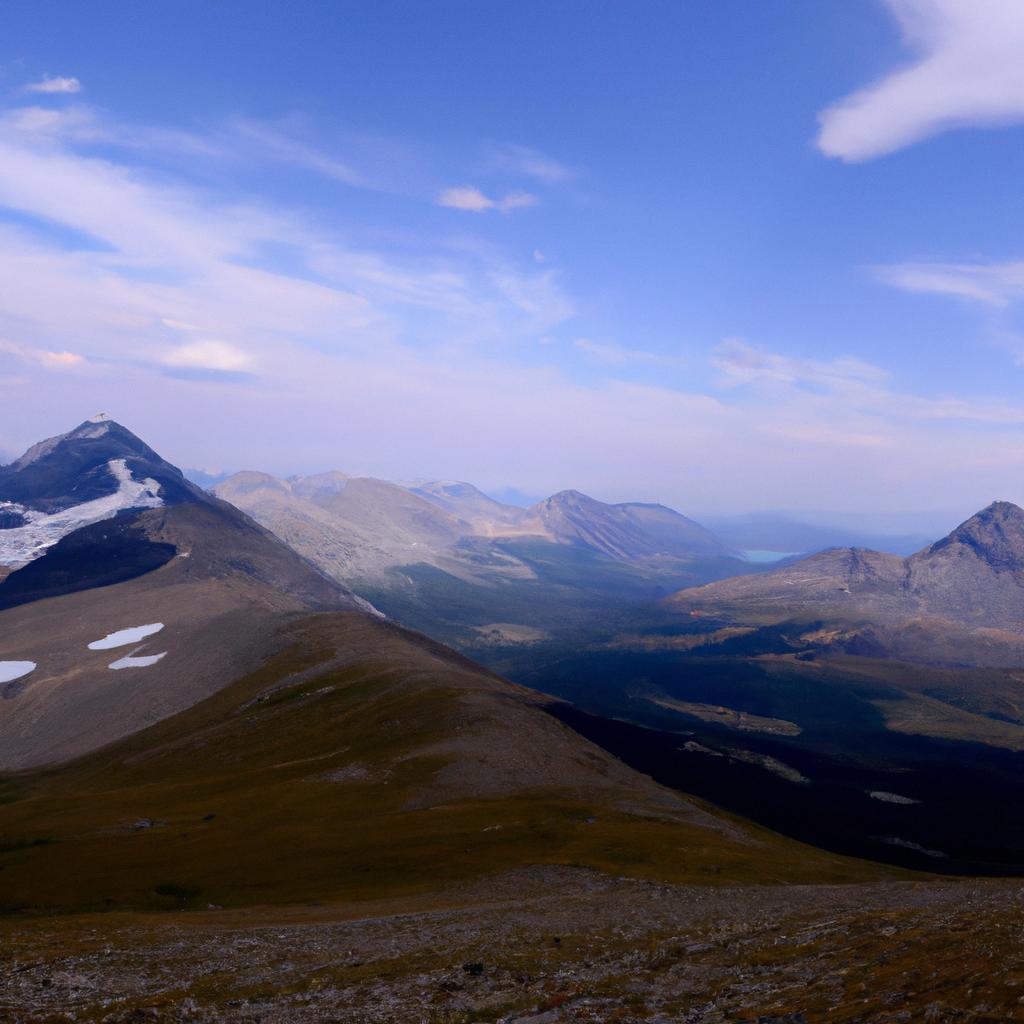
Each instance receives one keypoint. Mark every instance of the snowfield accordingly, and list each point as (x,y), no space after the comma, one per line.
(11,670)
(131,661)
(22,544)
(123,637)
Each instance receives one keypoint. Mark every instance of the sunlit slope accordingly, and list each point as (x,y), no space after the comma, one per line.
(362,761)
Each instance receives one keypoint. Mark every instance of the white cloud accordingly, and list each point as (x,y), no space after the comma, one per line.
(207,354)
(823,392)
(994,284)
(62,360)
(532,163)
(970,72)
(742,363)
(283,147)
(610,353)
(466,197)
(50,84)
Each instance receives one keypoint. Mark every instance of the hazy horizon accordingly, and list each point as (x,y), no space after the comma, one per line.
(928,523)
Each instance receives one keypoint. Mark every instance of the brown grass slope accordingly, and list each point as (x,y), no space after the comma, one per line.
(221,599)
(360,762)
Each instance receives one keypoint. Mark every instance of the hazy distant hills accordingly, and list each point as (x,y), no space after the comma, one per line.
(379,525)
(446,558)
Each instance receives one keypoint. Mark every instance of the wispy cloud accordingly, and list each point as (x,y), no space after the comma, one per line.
(125,259)
(994,284)
(742,363)
(286,148)
(531,163)
(54,85)
(63,360)
(467,197)
(610,353)
(969,72)
(825,391)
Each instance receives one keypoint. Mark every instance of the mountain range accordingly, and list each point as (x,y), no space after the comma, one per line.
(376,526)
(446,558)
(959,600)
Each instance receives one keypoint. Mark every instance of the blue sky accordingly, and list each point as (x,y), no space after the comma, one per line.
(724,255)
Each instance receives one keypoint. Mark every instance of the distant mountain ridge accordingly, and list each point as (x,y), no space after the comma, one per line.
(384,524)
(446,558)
(973,579)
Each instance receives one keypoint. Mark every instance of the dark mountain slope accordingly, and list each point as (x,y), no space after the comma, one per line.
(73,468)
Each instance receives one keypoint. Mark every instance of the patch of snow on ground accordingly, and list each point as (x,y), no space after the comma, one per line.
(131,661)
(24,543)
(123,637)
(891,798)
(906,844)
(11,670)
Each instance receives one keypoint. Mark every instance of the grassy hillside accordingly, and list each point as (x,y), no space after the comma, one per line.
(362,762)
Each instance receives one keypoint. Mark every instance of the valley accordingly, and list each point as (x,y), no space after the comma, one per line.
(790,694)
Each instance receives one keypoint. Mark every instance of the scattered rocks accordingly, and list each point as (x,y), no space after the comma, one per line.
(560,946)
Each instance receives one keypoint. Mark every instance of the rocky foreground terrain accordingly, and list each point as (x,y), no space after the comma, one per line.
(540,946)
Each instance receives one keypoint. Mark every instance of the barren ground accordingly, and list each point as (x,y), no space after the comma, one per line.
(540,945)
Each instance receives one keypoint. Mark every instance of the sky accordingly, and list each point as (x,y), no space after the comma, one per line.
(723,255)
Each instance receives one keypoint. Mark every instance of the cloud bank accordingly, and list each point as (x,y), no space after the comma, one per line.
(53,86)
(969,72)
(466,197)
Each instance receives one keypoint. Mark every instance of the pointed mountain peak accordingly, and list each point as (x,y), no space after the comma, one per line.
(569,499)
(94,460)
(995,535)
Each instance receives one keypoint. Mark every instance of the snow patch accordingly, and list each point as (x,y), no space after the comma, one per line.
(906,844)
(11,670)
(22,544)
(123,637)
(891,798)
(131,661)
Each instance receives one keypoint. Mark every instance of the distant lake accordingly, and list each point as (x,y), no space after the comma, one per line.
(767,556)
